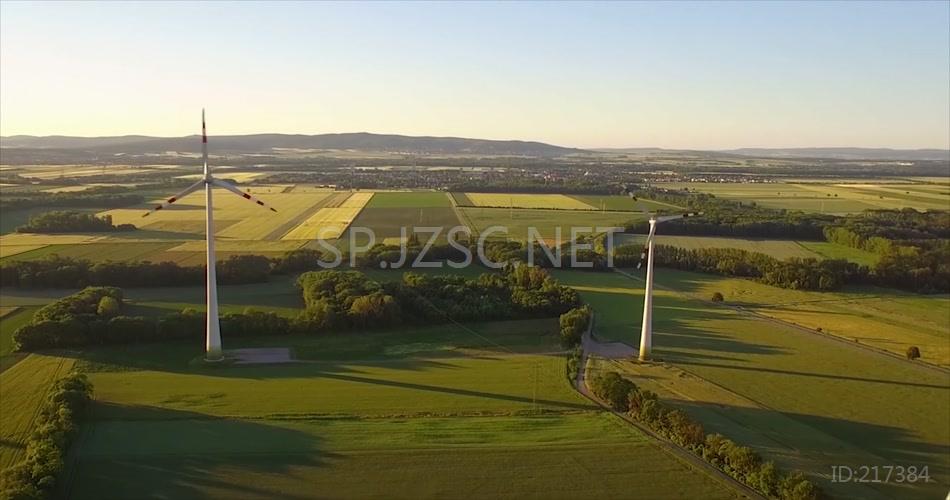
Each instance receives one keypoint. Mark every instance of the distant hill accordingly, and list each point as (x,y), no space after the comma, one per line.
(265,143)
(846,153)
(798,153)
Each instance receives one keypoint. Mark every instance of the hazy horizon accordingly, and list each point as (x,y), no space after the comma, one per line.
(481,138)
(701,76)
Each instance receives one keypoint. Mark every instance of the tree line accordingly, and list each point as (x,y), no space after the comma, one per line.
(54,428)
(65,272)
(71,222)
(795,273)
(739,462)
(99,197)
(55,271)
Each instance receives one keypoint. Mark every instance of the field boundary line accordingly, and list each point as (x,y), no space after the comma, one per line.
(828,336)
(461,216)
(346,229)
(289,226)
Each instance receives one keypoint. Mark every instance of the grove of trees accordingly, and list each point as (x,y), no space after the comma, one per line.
(71,222)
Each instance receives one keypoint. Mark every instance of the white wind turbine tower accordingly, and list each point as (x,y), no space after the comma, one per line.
(646,330)
(213,333)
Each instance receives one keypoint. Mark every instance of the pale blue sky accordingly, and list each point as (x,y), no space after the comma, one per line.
(708,75)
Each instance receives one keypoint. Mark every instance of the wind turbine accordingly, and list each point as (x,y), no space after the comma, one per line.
(646,330)
(213,332)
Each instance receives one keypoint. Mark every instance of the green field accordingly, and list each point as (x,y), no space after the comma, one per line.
(827,250)
(409,199)
(607,202)
(882,318)
(388,212)
(823,197)
(881,410)
(519,200)
(23,388)
(431,412)
(15,318)
(546,222)
(780,249)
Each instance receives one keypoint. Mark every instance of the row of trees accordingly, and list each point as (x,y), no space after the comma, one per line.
(71,222)
(795,273)
(99,197)
(740,462)
(65,272)
(54,428)
(80,331)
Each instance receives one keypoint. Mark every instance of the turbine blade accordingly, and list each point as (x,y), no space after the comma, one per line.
(204,143)
(242,194)
(175,198)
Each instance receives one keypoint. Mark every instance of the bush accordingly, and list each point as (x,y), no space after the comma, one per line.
(913,352)
(573,325)
(717,297)
(574,364)
(614,389)
(796,486)
(108,307)
(82,303)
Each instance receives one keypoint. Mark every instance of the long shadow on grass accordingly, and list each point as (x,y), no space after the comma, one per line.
(682,327)
(452,390)
(147,452)
(157,234)
(761,369)
(407,348)
(682,332)
(812,452)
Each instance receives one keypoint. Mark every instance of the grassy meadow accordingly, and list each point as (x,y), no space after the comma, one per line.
(882,318)
(482,410)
